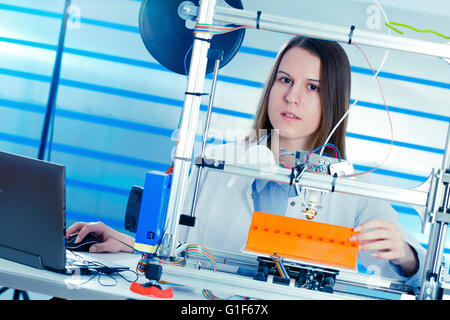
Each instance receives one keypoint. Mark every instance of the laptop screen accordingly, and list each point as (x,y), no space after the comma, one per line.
(32,211)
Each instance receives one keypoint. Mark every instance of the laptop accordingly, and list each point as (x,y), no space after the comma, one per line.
(32,216)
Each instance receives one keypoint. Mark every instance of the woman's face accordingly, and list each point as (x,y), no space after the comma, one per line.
(294,106)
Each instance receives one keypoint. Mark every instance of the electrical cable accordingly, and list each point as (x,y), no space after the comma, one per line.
(208,294)
(194,249)
(127,245)
(383,61)
(185,63)
(389,118)
(283,165)
(109,272)
(217,29)
(280,266)
(142,263)
(330,145)
(189,250)
(167,283)
(390,23)
(319,168)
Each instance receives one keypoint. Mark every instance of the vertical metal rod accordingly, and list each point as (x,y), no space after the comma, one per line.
(211,102)
(437,246)
(54,85)
(432,265)
(187,130)
(205,135)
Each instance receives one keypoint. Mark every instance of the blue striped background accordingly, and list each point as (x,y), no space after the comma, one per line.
(108,188)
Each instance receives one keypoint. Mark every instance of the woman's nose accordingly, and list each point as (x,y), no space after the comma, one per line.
(293,96)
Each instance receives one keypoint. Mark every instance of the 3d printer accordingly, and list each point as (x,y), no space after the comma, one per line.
(155,213)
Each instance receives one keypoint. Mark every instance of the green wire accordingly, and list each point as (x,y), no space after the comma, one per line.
(396,30)
(412,28)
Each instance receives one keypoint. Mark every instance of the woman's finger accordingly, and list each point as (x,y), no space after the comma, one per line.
(378,246)
(109,245)
(377,234)
(374,224)
(98,228)
(77,226)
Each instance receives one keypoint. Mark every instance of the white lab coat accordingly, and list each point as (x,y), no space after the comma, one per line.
(224,213)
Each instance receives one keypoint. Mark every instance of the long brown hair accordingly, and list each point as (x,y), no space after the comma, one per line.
(335,83)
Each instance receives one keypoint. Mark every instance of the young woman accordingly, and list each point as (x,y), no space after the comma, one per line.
(306,94)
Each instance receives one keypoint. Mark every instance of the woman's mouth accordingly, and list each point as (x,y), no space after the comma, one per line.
(289,116)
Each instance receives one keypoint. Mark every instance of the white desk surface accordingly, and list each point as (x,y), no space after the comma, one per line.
(22,277)
(77,287)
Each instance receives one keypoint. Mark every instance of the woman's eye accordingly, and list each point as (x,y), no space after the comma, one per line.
(313,87)
(285,80)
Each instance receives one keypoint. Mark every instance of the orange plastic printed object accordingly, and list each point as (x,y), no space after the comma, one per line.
(151,291)
(302,240)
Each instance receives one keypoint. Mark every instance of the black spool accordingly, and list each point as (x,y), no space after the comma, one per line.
(168,40)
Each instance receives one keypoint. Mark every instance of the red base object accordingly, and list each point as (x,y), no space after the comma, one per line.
(151,291)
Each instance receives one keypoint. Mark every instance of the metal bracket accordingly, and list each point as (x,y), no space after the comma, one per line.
(210,163)
(443,217)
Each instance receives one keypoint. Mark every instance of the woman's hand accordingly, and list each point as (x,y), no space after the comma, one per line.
(112,240)
(386,240)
